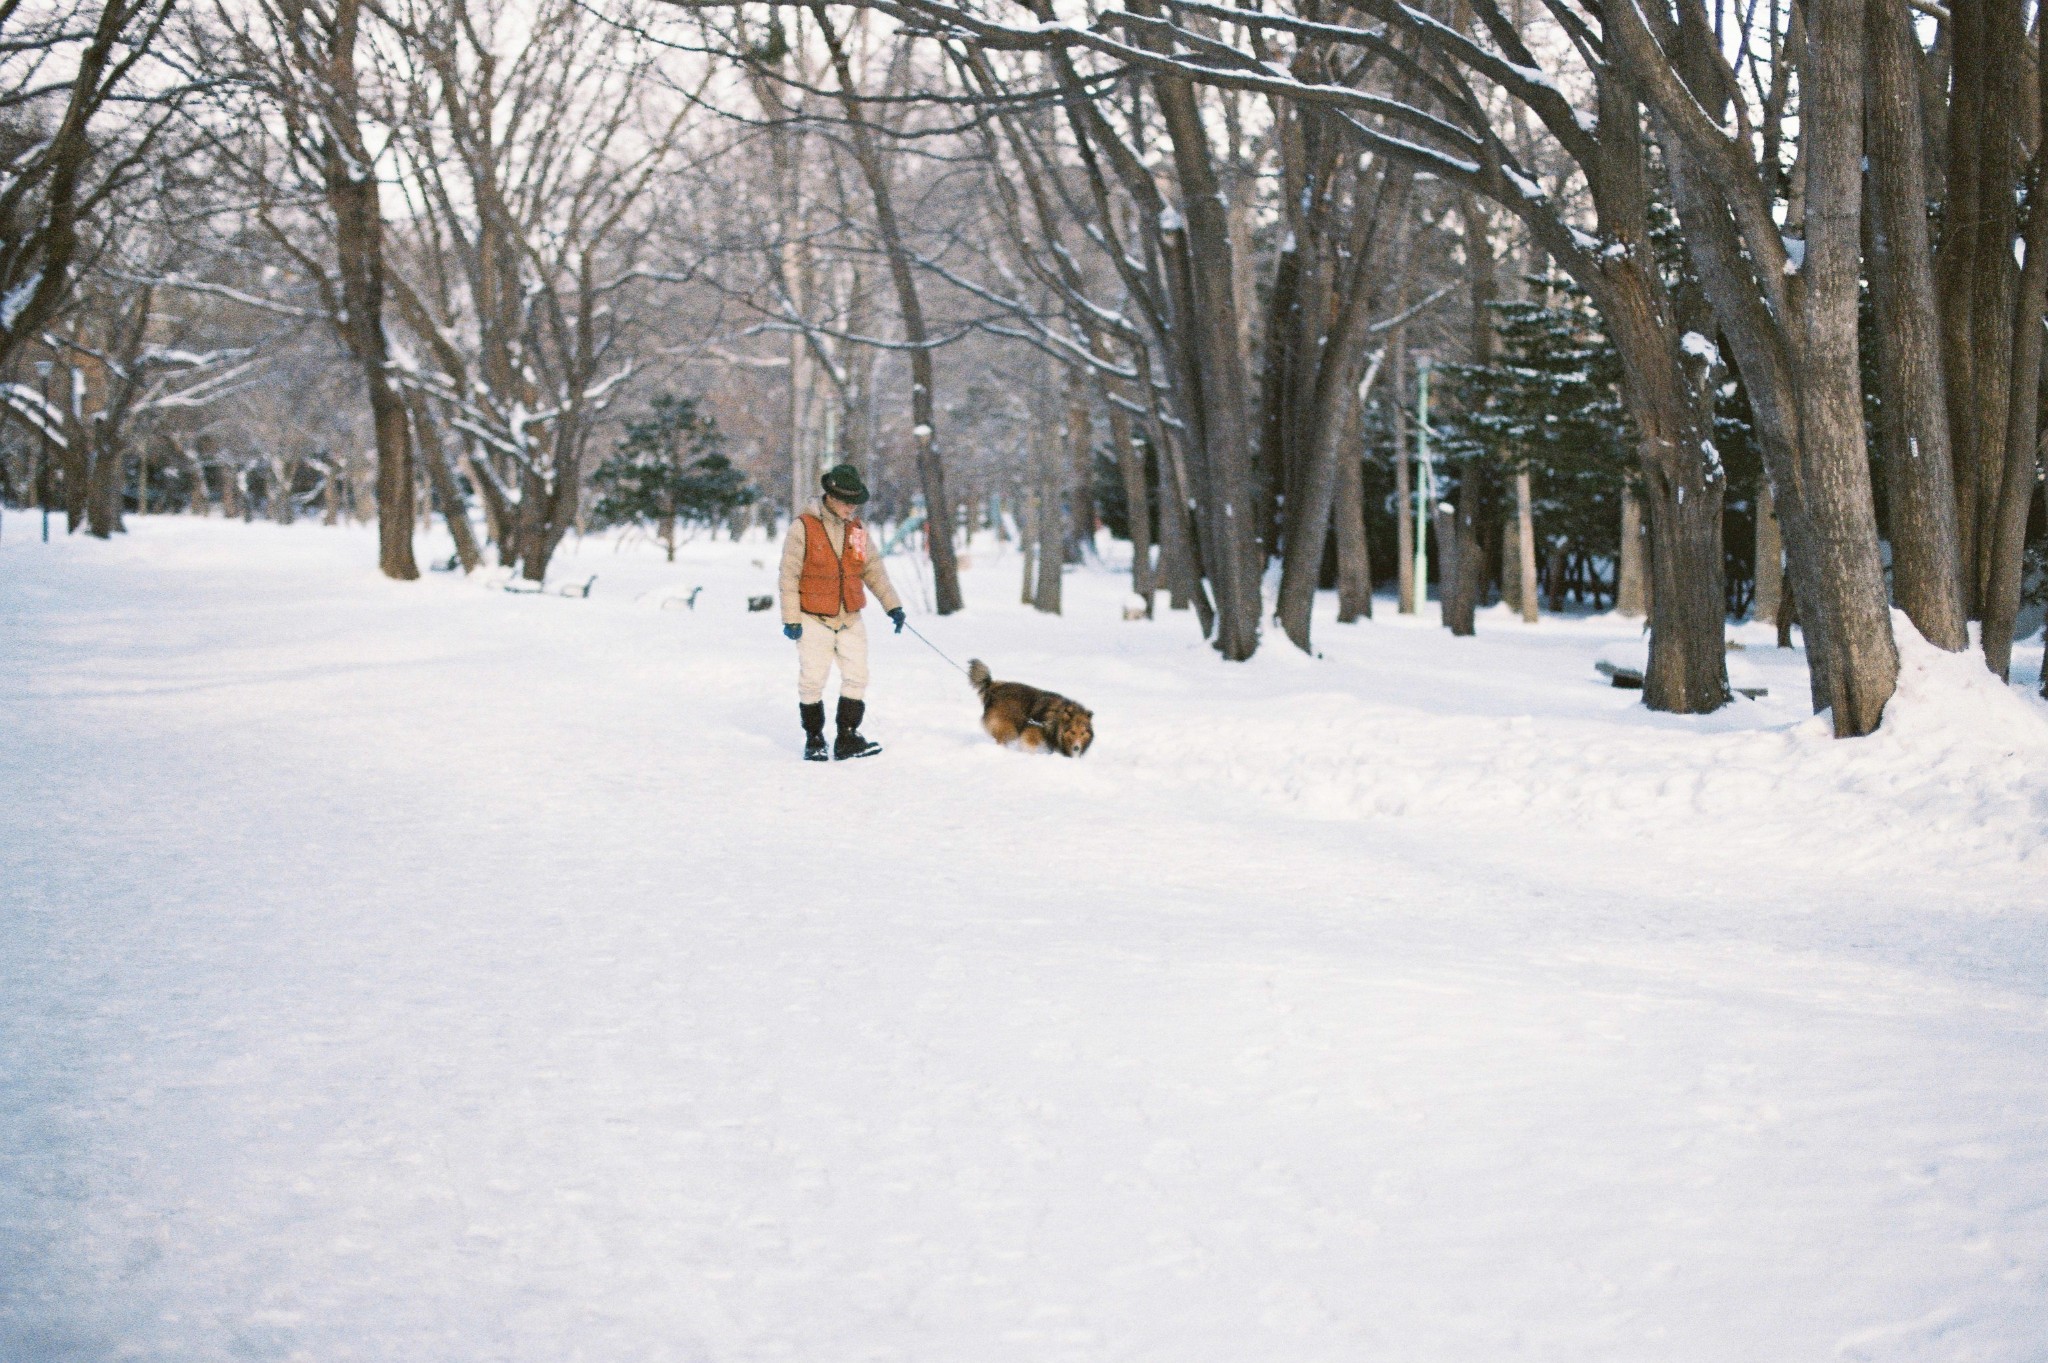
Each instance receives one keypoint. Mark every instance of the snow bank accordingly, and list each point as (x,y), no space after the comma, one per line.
(1959,768)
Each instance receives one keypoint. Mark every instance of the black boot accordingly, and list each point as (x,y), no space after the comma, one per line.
(850,743)
(814,730)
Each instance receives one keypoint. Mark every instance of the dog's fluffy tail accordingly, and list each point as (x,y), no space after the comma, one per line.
(979,678)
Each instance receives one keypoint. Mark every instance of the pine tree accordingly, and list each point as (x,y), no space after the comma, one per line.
(1549,406)
(669,469)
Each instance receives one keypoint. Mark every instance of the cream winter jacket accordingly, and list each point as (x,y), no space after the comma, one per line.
(876,576)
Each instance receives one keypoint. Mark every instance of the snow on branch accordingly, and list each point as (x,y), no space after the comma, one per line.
(46,417)
(233,295)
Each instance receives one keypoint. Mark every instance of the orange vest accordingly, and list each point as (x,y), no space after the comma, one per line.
(832,582)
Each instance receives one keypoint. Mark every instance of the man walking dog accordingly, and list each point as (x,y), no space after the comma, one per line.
(828,568)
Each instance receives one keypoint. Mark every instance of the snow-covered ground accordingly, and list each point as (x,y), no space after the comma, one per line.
(421,972)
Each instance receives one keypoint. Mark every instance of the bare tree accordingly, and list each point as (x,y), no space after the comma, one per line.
(931,470)
(1669,384)
(61,69)
(300,62)
(530,161)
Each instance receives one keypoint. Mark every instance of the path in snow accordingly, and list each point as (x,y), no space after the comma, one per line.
(419,972)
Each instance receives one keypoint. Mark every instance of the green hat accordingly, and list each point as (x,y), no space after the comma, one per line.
(843,482)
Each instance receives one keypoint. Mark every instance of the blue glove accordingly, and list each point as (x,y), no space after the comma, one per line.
(897,616)
(792,631)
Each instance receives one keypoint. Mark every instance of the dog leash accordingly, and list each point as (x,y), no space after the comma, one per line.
(936,649)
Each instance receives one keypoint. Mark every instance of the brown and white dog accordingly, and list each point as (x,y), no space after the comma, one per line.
(1035,720)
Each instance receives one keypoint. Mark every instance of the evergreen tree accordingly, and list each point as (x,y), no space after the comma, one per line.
(669,469)
(1551,406)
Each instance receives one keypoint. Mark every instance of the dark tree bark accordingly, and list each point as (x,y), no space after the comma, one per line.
(1130,459)
(427,441)
(1354,549)
(1206,325)
(1993,282)
(1277,382)
(1835,491)
(1669,398)
(1914,443)
(1462,588)
(1407,590)
(1052,531)
(104,437)
(1991,308)
(1792,325)
(1955,266)
(931,470)
(1769,556)
(2019,477)
(1336,215)
(1176,563)
(74,461)
(324,53)
(1079,429)
(1176,509)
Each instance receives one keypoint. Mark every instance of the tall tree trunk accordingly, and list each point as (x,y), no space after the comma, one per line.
(1404,490)
(1683,580)
(1079,428)
(1670,399)
(1028,539)
(1227,532)
(498,512)
(1462,576)
(427,442)
(793,269)
(352,196)
(1326,370)
(1052,534)
(1354,550)
(939,510)
(1792,326)
(2021,474)
(75,461)
(1630,598)
(1862,665)
(1463,587)
(104,485)
(1131,465)
(1955,267)
(1176,568)
(1914,446)
(564,489)
(1770,556)
(1525,547)
(1278,464)
(803,459)
(199,499)
(1994,280)
(1177,509)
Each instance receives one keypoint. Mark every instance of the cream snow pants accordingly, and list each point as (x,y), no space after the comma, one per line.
(843,639)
